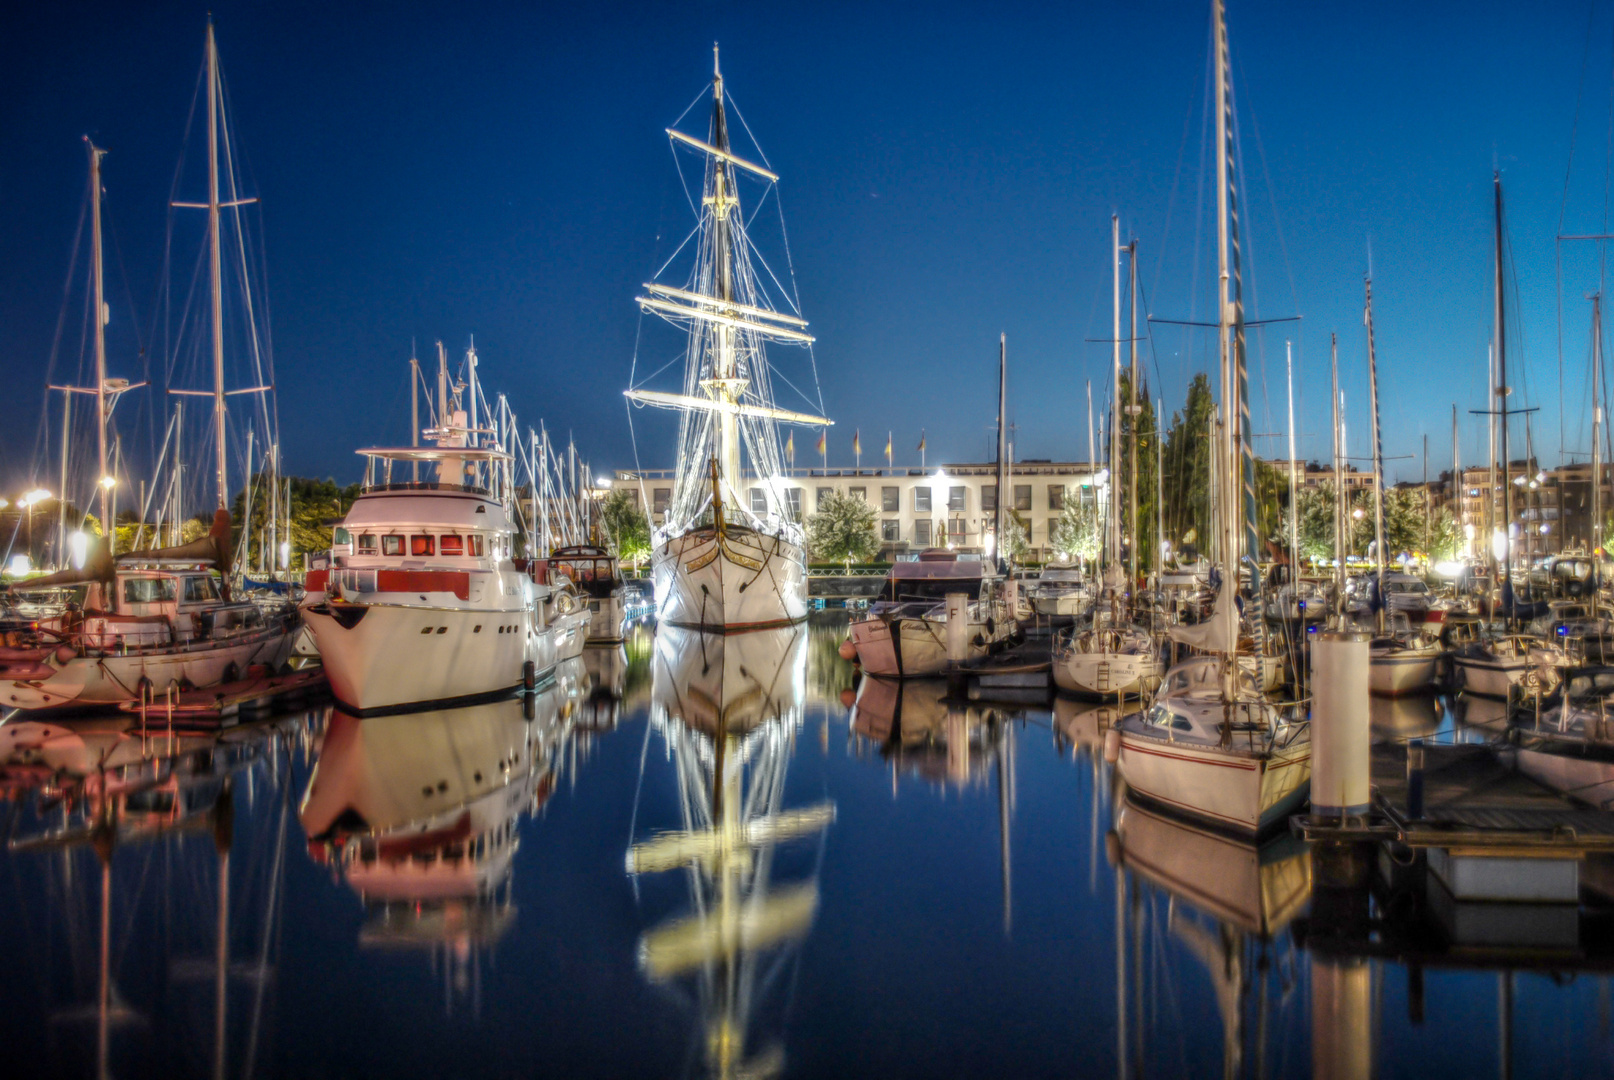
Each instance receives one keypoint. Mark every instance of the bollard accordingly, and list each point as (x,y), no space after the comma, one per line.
(1415,779)
(958,628)
(1340,732)
(1011,596)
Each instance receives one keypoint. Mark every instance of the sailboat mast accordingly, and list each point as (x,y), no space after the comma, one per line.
(1502,396)
(1597,449)
(214,269)
(724,370)
(1230,320)
(1339,483)
(1115,395)
(1294,508)
(1378,455)
(1456,473)
(414,412)
(1133,411)
(1000,515)
(103,491)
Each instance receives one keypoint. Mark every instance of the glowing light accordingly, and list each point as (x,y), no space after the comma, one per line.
(1499,544)
(38,495)
(20,565)
(602,482)
(285,554)
(78,546)
(109,482)
(1449,569)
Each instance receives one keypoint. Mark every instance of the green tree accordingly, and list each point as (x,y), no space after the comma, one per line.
(626,529)
(842,531)
(1077,535)
(1403,522)
(1316,523)
(1446,540)
(1016,540)
(1148,432)
(1188,467)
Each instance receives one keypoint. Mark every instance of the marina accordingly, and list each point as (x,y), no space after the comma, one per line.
(602,712)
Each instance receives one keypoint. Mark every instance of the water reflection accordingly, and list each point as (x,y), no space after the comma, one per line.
(418,813)
(1227,901)
(729,708)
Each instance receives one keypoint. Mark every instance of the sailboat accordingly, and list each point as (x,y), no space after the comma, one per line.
(1114,658)
(1211,744)
(727,558)
(1399,661)
(1493,665)
(156,618)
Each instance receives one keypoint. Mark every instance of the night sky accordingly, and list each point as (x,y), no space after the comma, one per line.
(949,171)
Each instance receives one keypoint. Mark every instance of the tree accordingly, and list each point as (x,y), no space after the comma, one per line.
(1077,536)
(1148,432)
(842,531)
(1016,541)
(1316,523)
(1403,522)
(1188,469)
(626,529)
(1446,539)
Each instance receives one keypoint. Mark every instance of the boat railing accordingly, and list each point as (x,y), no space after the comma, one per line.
(427,485)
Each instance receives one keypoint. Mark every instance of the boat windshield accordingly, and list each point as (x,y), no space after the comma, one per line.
(897,589)
(596,577)
(1594,684)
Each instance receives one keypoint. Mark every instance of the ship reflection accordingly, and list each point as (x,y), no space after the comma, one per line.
(418,814)
(729,708)
(1225,901)
(118,818)
(921,729)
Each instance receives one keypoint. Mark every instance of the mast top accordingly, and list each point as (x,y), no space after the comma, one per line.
(717,72)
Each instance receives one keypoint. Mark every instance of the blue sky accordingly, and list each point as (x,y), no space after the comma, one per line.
(948,173)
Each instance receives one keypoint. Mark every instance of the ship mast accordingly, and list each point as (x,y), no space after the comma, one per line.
(1501,392)
(1378,456)
(214,269)
(103,488)
(1597,450)
(1230,321)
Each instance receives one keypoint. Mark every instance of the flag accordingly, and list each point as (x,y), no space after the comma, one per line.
(790,449)
(857,442)
(921,440)
(822,435)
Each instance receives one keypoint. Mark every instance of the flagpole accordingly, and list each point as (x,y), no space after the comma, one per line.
(857,451)
(921,449)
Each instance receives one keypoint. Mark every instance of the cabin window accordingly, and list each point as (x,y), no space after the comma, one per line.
(1022,496)
(200,589)
(989,498)
(921,532)
(823,496)
(367,544)
(392,544)
(473,545)
(1056,497)
(861,494)
(451,545)
(759,500)
(342,536)
(890,530)
(955,500)
(147,590)
(921,500)
(421,545)
(890,500)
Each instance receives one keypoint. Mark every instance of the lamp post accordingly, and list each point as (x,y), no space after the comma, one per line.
(27,502)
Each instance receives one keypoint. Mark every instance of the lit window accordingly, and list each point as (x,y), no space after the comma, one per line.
(421,545)
(367,544)
(451,545)
(392,545)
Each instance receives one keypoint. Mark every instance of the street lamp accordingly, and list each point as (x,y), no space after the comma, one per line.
(28,502)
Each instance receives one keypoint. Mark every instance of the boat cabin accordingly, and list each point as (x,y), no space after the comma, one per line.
(932,576)
(591,569)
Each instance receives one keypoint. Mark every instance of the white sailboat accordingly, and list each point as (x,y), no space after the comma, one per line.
(727,558)
(154,619)
(1211,744)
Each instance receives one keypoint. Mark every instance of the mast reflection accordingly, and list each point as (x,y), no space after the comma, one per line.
(728,708)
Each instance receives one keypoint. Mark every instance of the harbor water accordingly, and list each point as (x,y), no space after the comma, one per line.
(718,857)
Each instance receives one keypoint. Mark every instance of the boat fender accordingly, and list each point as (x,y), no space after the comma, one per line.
(1112,746)
(980,642)
(1112,848)
(848,698)
(991,625)
(847,650)
(64,653)
(529,676)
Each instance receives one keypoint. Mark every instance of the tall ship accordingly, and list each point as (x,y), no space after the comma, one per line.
(424,603)
(729,554)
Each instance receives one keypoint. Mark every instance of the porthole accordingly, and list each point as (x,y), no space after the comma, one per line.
(477,629)
(425,630)
(442,629)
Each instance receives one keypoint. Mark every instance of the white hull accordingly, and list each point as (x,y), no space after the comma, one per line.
(107,680)
(744,580)
(1491,678)
(397,655)
(1401,672)
(1105,675)
(1246,792)
(910,647)
(1584,778)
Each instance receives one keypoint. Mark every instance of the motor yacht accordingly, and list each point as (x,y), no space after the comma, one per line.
(594,573)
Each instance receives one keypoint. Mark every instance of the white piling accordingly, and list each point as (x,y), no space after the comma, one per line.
(958,627)
(1340,731)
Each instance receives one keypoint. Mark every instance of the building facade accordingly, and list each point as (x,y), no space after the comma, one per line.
(950,505)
